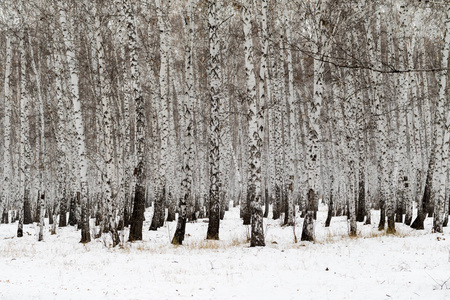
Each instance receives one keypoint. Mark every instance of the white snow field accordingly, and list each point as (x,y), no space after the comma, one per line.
(409,265)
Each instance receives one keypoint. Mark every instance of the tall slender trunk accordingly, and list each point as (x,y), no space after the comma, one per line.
(81,145)
(160,202)
(214,75)
(351,135)
(109,205)
(125,124)
(7,172)
(139,130)
(442,134)
(25,149)
(188,142)
(42,164)
(292,122)
(255,116)
(314,132)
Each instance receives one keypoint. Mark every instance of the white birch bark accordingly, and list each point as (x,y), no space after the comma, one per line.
(404,194)
(214,76)
(61,135)
(188,142)
(351,135)
(126,175)
(25,149)
(442,133)
(292,120)
(81,144)
(255,116)
(139,130)
(108,177)
(7,171)
(42,164)
(163,114)
(314,133)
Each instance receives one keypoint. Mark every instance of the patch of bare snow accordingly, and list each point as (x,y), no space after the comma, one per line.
(409,265)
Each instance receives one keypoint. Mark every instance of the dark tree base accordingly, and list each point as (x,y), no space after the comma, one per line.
(178,237)
(360,218)
(266,203)
(171,216)
(98,218)
(84,222)
(73,210)
(368,219)
(408,220)
(308,228)
(115,237)
(120,224)
(212,236)
(399,216)
(126,217)
(391,225)
(27,219)
(275,215)
(308,223)
(214,222)
(222,205)
(5,219)
(50,217)
(158,212)
(138,214)
(418,222)
(330,212)
(247,219)
(85,236)
(62,214)
(382,217)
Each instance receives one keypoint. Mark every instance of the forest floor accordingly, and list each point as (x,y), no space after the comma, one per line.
(409,265)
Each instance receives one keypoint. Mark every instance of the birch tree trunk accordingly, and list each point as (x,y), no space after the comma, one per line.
(404,194)
(139,130)
(159,208)
(214,80)
(61,139)
(188,142)
(25,149)
(125,183)
(109,223)
(314,133)
(351,135)
(256,119)
(442,133)
(81,145)
(7,172)
(264,97)
(42,164)
(292,123)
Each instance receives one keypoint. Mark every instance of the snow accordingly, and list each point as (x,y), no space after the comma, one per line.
(409,265)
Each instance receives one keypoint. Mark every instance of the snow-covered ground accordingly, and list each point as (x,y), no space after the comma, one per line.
(409,265)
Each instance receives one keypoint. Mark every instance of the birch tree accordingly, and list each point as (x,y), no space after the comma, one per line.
(442,133)
(79,124)
(7,171)
(139,128)
(188,143)
(214,80)
(256,121)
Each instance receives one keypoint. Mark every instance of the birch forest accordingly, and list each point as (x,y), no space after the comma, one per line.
(190,108)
